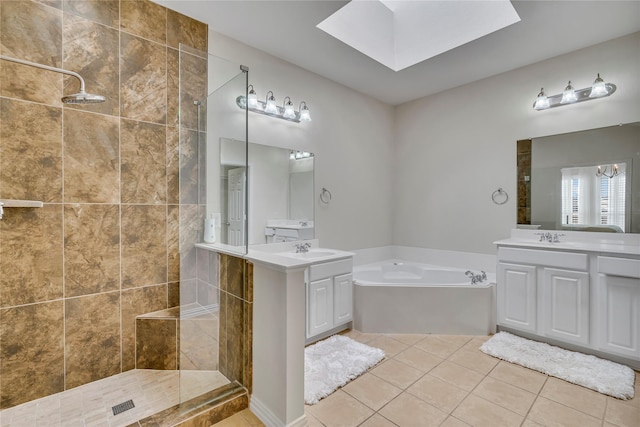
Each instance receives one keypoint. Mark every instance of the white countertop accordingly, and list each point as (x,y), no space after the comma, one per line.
(614,243)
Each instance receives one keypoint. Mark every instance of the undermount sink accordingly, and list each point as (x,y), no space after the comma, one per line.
(311,254)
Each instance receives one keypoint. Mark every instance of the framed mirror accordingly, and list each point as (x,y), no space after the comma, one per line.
(581,181)
(279,181)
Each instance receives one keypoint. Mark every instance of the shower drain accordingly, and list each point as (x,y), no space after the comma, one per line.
(121,407)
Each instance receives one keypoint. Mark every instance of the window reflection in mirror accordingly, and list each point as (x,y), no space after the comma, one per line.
(581,181)
(280,193)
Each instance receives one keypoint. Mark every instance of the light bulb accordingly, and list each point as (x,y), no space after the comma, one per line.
(289,113)
(568,95)
(304,112)
(542,102)
(598,88)
(271,107)
(252,98)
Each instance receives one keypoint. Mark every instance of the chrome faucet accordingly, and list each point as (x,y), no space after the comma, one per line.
(476,278)
(302,247)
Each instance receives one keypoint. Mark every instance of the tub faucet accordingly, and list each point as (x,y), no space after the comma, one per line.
(302,247)
(476,278)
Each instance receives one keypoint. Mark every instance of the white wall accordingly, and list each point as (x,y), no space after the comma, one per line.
(351,135)
(453,149)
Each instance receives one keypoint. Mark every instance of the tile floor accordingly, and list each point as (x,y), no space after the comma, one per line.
(444,380)
(90,405)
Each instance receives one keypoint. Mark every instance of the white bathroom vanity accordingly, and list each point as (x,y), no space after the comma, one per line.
(579,290)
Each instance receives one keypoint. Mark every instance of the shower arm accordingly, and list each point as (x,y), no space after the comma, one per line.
(46,67)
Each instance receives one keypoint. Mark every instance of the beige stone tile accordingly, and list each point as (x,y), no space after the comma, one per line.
(509,397)
(145,19)
(442,345)
(409,339)
(479,412)
(397,373)
(372,391)
(438,393)
(518,376)
(408,410)
(474,360)
(575,396)
(236,420)
(340,409)
(453,422)
(251,418)
(377,421)
(635,402)
(457,375)
(475,343)
(549,413)
(311,420)
(622,414)
(359,336)
(390,346)
(528,423)
(418,359)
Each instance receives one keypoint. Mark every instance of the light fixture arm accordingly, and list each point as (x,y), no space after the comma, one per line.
(46,67)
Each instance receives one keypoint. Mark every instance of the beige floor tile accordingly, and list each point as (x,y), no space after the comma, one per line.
(397,373)
(409,339)
(408,410)
(359,336)
(518,376)
(457,375)
(377,421)
(438,393)
(475,343)
(311,420)
(251,418)
(236,420)
(549,413)
(453,422)
(340,410)
(509,397)
(622,414)
(529,423)
(474,360)
(372,391)
(576,397)
(419,359)
(442,345)
(390,346)
(480,413)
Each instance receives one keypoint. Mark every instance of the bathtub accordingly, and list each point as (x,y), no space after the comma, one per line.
(401,297)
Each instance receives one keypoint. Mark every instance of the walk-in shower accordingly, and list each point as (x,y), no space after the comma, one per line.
(81,97)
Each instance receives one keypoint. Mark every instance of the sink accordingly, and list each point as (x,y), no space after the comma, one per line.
(311,254)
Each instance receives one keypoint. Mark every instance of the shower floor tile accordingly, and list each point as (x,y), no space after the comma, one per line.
(91,404)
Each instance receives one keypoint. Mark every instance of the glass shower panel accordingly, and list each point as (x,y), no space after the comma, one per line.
(206,83)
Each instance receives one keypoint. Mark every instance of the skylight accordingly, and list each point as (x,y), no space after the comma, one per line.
(401,33)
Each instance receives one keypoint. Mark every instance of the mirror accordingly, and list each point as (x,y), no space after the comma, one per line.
(581,181)
(279,181)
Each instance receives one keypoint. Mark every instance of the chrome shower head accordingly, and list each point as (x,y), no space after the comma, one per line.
(83,98)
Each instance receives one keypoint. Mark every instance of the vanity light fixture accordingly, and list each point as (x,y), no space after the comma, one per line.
(614,171)
(269,107)
(297,155)
(570,95)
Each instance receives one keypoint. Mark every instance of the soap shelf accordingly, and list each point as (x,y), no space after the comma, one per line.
(12,203)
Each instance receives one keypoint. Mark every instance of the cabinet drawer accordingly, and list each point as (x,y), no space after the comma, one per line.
(329,269)
(619,266)
(575,261)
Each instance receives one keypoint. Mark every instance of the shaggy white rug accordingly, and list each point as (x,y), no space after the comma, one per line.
(332,363)
(588,371)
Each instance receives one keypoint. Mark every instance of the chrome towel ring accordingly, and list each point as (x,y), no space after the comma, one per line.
(500,197)
(325,196)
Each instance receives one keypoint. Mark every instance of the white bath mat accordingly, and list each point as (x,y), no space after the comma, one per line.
(334,362)
(588,371)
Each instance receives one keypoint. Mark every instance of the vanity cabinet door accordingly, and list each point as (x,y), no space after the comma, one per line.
(517,296)
(343,299)
(319,307)
(565,305)
(619,308)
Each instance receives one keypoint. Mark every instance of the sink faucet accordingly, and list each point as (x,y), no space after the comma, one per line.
(302,247)
(548,237)
(476,278)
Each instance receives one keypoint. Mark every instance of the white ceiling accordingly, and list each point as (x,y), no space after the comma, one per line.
(287,30)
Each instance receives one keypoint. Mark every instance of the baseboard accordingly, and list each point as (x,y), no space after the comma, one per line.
(269,419)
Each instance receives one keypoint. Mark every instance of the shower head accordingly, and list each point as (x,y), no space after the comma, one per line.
(81,97)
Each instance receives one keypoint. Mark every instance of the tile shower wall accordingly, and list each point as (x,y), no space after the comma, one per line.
(524,181)
(104,248)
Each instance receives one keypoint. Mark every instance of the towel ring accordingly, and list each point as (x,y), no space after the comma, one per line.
(499,194)
(323,196)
